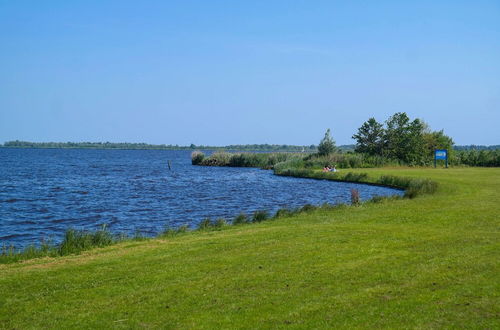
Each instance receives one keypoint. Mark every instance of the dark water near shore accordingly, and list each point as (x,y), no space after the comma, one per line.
(45,191)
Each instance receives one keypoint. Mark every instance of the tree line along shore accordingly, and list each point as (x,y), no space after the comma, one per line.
(399,141)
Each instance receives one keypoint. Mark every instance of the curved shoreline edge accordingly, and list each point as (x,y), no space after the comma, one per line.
(77,241)
(412,187)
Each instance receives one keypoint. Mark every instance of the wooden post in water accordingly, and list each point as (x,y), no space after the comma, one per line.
(169,165)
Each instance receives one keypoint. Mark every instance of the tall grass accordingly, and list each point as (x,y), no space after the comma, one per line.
(413,186)
(348,160)
(245,159)
(74,241)
(197,157)
(270,160)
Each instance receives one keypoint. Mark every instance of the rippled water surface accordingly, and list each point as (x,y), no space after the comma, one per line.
(45,191)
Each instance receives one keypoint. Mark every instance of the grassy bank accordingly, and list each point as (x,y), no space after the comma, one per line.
(431,261)
(77,241)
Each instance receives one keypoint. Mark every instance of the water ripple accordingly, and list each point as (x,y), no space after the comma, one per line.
(45,191)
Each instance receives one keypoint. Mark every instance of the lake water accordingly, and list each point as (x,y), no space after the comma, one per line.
(43,192)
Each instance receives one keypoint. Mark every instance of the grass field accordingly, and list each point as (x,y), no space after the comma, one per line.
(428,262)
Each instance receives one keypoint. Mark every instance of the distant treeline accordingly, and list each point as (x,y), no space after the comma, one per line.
(477,147)
(146,146)
(475,157)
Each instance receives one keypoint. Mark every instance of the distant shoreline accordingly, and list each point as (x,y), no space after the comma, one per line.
(234,147)
(146,146)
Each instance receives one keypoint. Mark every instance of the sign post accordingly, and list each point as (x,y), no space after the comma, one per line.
(441,154)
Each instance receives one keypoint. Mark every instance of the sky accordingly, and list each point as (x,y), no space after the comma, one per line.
(244,72)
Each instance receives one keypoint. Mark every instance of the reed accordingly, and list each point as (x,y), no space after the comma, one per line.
(246,159)
(197,157)
(240,219)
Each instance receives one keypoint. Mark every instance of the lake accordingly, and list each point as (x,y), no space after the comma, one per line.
(43,192)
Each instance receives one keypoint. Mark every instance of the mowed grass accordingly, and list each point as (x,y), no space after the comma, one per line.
(428,262)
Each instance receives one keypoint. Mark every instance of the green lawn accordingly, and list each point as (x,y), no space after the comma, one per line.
(428,262)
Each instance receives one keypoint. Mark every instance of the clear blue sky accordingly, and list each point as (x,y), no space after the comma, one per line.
(238,72)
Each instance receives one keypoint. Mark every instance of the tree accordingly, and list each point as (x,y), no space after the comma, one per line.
(437,140)
(404,139)
(370,137)
(327,144)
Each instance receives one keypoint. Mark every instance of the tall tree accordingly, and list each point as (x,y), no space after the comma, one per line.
(327,144)
(370,137)
(404,139)
(437,140)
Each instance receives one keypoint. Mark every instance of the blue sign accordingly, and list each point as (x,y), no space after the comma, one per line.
(441,154)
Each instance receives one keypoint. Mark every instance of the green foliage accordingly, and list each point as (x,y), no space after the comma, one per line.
(168,232)
(262,160)
(473,157)
(282,213)
(348,160)
(409,142)
(355,177)
(260,216)
(370,138)
(326,145)
(308,208)
(404,139)
(240,219)
(76,241)
(205,224)
(437,140)
(219,223)
(197,157)
(413,187)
